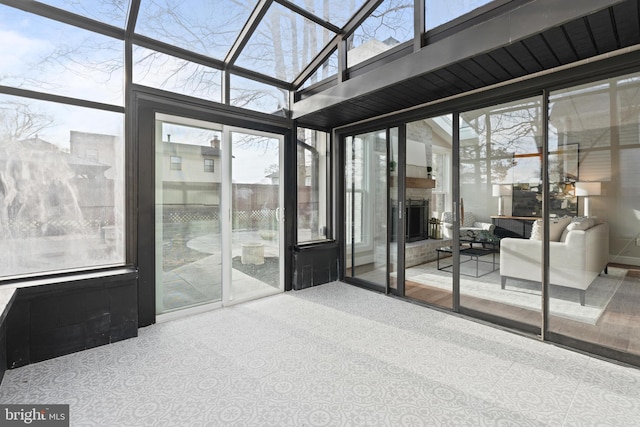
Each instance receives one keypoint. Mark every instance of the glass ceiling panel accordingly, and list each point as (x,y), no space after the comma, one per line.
(257,96)
(162,71)
(208,27)
(44,55)
(112,12)
(438,12)
(336,12)
(283,44)
(329,68)
(388,26)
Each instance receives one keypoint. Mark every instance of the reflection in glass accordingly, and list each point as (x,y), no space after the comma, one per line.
(257,96)
(313,184)
(395,205)
(500,256)
(162,71)
(256,216)
(336,12)
(61,187)
(283,44)
(388,26)
(328,69)
(188,239)
(428,275)
(438,12)
(203,26)
(113,12)
(47,56)
(593,295)
(366,207)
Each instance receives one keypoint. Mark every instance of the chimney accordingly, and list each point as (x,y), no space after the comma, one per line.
(215,142)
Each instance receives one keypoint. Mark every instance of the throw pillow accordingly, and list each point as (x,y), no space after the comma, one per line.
(556,227)
(577,223)
(536,230)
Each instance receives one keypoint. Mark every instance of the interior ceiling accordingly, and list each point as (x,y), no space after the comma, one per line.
(605,31)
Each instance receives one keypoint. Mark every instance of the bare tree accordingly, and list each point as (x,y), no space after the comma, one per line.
(19,120)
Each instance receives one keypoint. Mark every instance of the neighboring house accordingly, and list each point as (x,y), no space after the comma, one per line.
(49,191)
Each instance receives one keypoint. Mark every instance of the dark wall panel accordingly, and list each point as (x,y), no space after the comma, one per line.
(55,319)
(315,265)
(3,349)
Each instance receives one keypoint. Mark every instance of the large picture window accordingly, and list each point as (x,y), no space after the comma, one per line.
(61,187)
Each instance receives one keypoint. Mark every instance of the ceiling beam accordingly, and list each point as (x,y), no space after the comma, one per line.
(67,17)
(320,58)
(310,16)
(360,16)
(177,52)
(247,31)
(529,19)
(356,20)
(132,17)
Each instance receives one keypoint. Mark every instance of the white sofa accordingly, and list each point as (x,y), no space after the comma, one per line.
(470,228)
(575,260)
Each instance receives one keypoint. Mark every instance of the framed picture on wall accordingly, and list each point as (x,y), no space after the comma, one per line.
(563,174)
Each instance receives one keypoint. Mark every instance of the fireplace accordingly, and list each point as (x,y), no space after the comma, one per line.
(416,220)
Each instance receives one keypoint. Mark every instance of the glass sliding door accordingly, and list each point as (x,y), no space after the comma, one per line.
(396,215)
(366,207)
(594,265)
(500,210)
(428,255)
(256,215)
(203,169)
(188,227)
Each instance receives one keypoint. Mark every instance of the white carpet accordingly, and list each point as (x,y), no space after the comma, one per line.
(564,302)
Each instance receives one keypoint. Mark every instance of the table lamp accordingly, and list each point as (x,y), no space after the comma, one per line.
(501,190)
(586,189)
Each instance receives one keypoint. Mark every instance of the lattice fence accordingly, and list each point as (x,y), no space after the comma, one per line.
(254,219)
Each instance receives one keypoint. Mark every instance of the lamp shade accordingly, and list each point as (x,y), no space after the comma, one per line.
(501,190)
(588,188)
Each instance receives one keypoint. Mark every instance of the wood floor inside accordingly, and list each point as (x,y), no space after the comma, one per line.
(617,328)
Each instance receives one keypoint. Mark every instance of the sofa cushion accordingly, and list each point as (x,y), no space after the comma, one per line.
(577,223)
(556,227)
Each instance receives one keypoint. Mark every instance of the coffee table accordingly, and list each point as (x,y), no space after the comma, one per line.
(474,254)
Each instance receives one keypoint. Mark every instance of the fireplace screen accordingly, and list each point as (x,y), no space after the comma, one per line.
(416,220)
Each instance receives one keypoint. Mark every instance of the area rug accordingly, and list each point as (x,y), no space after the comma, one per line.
(563,302)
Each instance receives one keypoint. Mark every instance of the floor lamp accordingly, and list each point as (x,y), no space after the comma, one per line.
(586,189)
(501,190)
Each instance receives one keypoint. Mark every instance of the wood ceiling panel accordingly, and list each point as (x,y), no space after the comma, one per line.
(452,80)
(539,48)
(562,48)
(472,79)
(520,53)
(412,91)
(389,99)
(580,38)
(482,75)
(627,23)
(436,91)
(604,34)
(502,57)
(485,62)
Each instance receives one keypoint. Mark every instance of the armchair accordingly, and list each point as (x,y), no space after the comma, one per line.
(470,228)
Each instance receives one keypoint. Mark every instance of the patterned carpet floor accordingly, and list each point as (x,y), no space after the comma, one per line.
(332,355)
